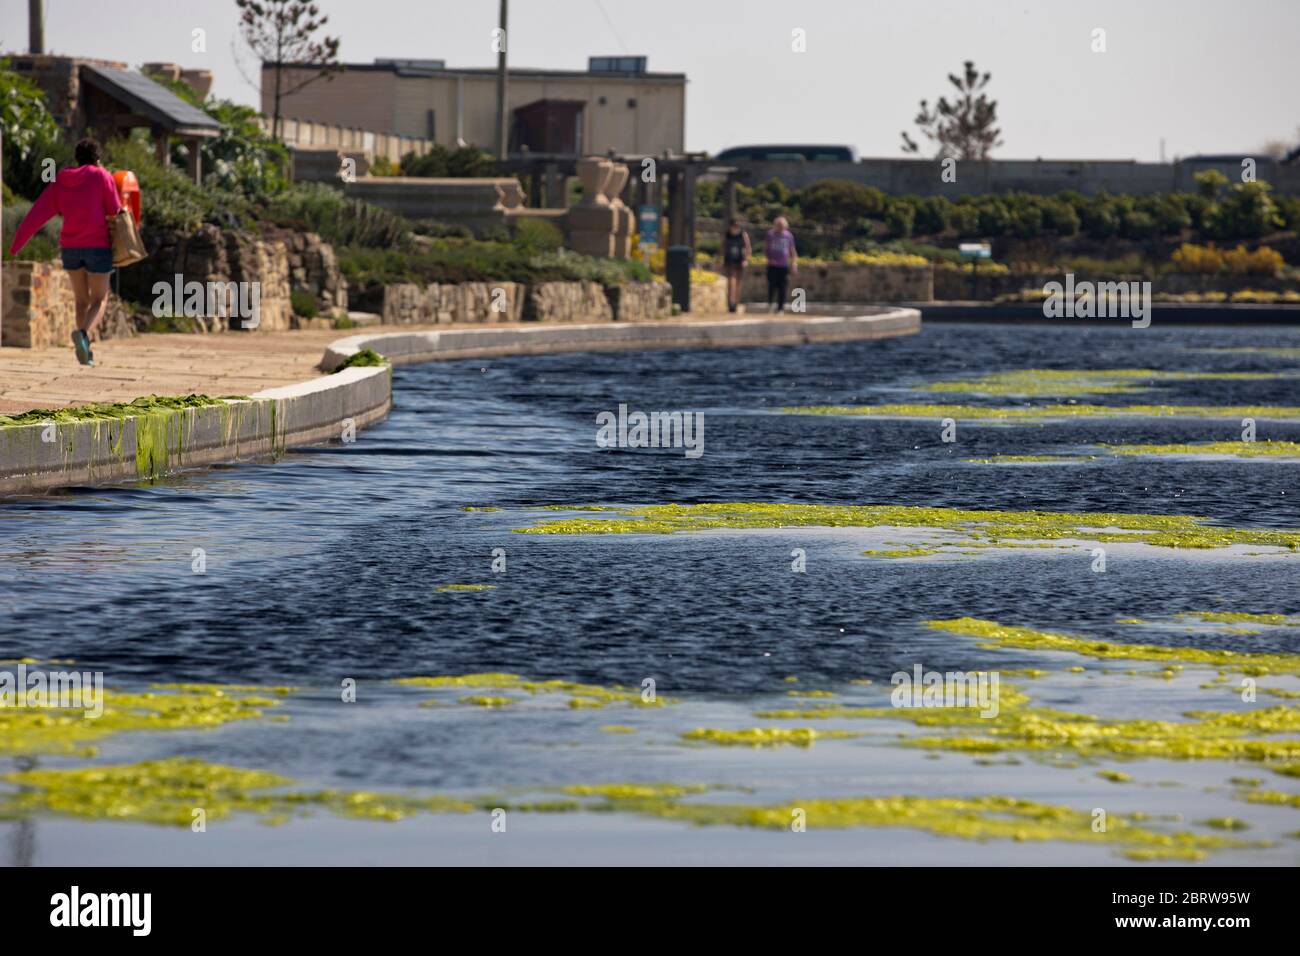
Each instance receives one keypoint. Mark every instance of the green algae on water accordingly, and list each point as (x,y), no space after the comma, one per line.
(444,588)
(166,792)
(1035,413)
(981,526)
(763,736)
(56,730)
(993,634)
(1032,382)
(1236,449)
(1239,617)
(504,681)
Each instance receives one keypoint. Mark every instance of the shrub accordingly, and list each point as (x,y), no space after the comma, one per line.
(30,134)
(304,304)
(316,207)
(966,220)
(1259,262)
(441,163)
(900,218)
(933,215)
(170,199)
(536,236)
(41,247)
(994,218)
(838,201)
(1060,218)
(1209,260)
(1248,212)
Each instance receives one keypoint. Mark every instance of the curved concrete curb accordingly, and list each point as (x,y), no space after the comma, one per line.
(158,442)
(403,348)
(43,456)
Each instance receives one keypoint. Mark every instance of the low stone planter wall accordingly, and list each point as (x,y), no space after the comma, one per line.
(844,282)
(640,301)
(568,302)
(211,254)
(710,298)
(406,303)
(411,304)
(39,309)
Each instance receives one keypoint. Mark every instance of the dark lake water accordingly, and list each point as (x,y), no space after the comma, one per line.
(326,564)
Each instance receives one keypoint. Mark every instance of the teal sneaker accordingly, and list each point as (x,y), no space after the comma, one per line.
(81,343)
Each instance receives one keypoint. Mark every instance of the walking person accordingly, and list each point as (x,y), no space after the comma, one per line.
(782,262)
(736,253)
(86,197)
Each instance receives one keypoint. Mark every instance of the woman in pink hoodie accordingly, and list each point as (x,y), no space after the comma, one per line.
(86,197)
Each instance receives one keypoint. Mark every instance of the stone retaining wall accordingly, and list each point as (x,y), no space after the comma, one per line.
(39,309)
(406,303)
(211,254)
(844,282)
(568,302)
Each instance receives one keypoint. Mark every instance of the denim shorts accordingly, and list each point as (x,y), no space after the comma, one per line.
(98,261)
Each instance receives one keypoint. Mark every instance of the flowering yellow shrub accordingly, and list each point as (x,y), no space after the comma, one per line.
(1210,260)
(854,258)
(703,277)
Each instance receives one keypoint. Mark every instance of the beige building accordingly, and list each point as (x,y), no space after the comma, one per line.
(615,105)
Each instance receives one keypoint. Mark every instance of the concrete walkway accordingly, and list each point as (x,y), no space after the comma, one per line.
(231,363)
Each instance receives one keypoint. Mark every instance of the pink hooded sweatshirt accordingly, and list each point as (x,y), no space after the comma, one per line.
(83,196)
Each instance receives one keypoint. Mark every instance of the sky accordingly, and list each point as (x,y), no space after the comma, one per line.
(1204,77)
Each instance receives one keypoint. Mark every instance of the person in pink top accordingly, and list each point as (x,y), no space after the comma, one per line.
(86,197)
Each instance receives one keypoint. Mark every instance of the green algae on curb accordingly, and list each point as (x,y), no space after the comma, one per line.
(764,736)
(1169,531)
(992,634)
(1033,382)
(1034,413)
(366,358)
(111,411)
(65,731)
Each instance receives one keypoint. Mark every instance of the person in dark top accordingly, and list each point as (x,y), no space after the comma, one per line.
(735,256)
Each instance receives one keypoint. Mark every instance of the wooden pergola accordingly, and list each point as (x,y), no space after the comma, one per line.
(116,100)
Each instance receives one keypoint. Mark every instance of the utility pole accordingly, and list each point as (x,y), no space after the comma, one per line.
(35,26)
(503,132)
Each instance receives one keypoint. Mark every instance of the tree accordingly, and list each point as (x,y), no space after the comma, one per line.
(963,128)
(31,134)
(283,32)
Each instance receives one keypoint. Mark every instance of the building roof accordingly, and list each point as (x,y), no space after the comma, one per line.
(151,100)
(405,69)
